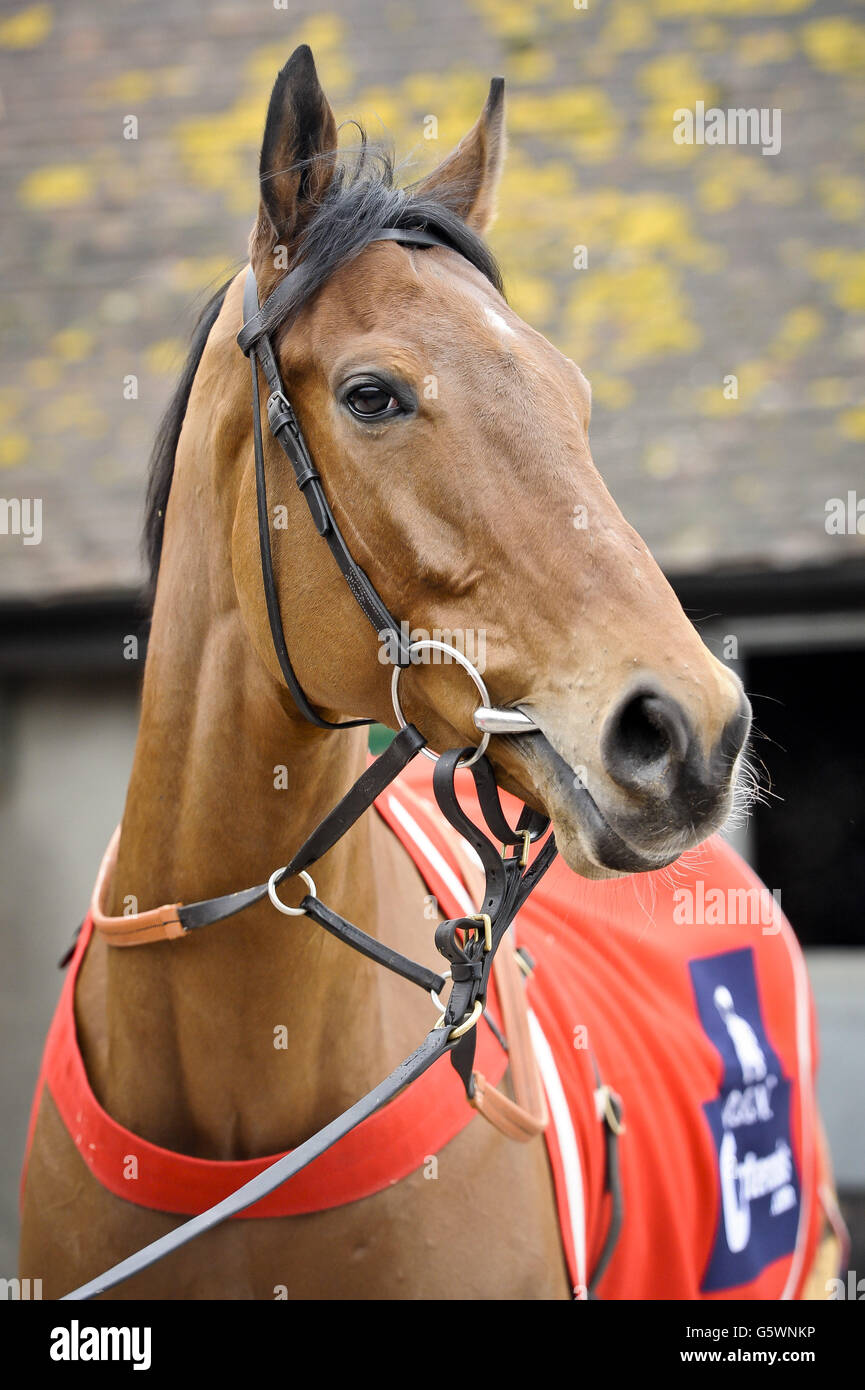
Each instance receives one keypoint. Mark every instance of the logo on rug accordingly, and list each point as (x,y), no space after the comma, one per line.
(750,1123)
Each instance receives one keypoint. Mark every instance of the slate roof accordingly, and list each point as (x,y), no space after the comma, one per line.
(702,261)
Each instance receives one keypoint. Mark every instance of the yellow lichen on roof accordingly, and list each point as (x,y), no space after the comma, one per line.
(842,195)
(612,392)
(44,373)
(165,357)
(640,312)
(852,423)
(731,176)
(828,392)
(765,46)
(583,118)
(629,27)
(729,397)
(137,86)
(662,268)
(14,449)
(845,272)
(12,401)
(27,28)
(531,64)
(74,410)
(799,330)
(669,9)
(72,344)
(57,186)
(516,21)
(835,44)
(192,274)
(671,82)
(531,296)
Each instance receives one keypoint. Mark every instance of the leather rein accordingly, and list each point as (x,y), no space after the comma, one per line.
(469,945)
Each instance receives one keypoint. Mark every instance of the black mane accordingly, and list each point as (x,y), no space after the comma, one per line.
(165,444)
(360,199)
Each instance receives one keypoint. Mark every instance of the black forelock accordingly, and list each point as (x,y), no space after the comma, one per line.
(362,199)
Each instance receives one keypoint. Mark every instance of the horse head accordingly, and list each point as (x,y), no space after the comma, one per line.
(453,443)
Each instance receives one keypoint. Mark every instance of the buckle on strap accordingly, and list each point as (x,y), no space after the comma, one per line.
(609,1108)
(487,923)
(468,1021)
(280,413)
(526,837)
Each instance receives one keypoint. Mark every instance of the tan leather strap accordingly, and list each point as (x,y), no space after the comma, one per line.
(511,1120)
(138,928)
(526,1115)
(529,1092)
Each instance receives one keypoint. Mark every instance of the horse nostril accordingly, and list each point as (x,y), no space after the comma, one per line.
(647,734)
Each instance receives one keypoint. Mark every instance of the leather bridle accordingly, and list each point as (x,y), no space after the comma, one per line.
(468,944)
(254,340)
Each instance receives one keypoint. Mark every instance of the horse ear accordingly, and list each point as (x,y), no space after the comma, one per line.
(467,181)
(298,153)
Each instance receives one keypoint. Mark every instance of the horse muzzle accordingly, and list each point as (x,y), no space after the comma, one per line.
(654,793)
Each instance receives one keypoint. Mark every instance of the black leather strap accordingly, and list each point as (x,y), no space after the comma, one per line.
(612,1182)
(402,748)
(490,802)
(372,948)
(371,783)
(254,340)
(508,883)
(445,795)
(271,595)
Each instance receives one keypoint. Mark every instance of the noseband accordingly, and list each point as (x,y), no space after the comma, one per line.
(468,944)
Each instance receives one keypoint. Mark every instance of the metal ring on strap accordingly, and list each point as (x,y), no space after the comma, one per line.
(433,645)
(434,997)
(280,906)
(468,1022)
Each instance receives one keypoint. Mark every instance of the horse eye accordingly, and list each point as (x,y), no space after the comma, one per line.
(372,402)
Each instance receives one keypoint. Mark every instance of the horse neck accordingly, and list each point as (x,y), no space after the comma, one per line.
(247,1037)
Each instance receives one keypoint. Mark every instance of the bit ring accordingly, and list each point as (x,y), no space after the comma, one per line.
(433,645)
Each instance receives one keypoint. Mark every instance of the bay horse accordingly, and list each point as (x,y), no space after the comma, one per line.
(453,444)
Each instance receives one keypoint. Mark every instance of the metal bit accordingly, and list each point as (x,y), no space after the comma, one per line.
(491,720)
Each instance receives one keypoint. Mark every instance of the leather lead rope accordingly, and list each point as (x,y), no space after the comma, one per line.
(432,1047)
(526,1116)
